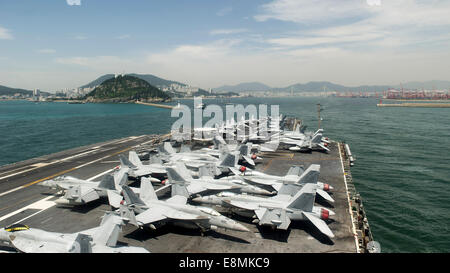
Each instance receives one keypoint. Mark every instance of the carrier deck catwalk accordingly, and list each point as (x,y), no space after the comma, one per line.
(22,200)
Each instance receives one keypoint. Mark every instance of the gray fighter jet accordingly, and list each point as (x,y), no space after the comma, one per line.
(277,211)
(308,143)
(220,165)
(180,175)
(80,192)
(102,239)
(243,151)
(168,154)
(136,169)
(154,213)
(296,177)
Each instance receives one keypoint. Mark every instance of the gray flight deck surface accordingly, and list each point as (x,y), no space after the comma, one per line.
(22,200)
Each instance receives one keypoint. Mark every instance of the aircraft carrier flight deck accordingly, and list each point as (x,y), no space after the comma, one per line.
(23,200)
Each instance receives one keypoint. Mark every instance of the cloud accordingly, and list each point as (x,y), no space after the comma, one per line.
(196,53)
(224,11)
(123,37)
(96,62)
(391,13)
(46,51)
(5,34)
(227,31)
(103,64)
(311,11)
(374,2)
(403,23)
(73,2)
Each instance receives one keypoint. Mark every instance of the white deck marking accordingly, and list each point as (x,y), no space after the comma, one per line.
(91,150)
(44,203)
(40,165)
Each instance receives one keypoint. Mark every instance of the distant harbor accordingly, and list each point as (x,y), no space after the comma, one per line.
(423,100)
(427,105)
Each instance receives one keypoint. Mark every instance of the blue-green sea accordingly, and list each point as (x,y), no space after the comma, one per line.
(402,154)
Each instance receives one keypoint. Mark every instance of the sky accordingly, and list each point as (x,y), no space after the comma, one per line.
(58,44)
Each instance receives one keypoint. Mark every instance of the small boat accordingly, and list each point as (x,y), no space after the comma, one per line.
(200,106)
(178,106)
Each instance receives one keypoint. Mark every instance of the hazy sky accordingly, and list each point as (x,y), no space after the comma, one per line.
(67,43)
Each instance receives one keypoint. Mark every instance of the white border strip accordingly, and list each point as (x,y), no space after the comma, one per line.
(348,201)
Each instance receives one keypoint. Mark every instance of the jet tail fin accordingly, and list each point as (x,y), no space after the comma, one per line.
(229,160)
(311,175)
(114,198)
(130,197)
(244,150)
(127,215)
(304,199)
(174,176)
(121,177)
(317,138)
(218,140)
(82,244)
(107,182)
(179,189)
(125,162)
(168,147)
(108,231)
(147,191)
(134,158)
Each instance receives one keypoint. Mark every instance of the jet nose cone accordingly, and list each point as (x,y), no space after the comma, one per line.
(62,201)
(240,227)
(266,192)
(153,179)
(46,183)
(197,199)
(330,212)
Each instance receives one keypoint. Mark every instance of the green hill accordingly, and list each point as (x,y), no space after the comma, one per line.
(151,79)
(8,91)
(126,88)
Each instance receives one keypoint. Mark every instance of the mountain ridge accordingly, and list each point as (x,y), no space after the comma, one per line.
(321,86)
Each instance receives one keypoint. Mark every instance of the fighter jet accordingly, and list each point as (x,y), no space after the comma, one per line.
(180,175)
(243,151)
(296,177)
(297,134)
(154,213)
(80,192)
(136,169)
(102,239)
(308,143)
(275,211)
(221,164)
(168,153)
